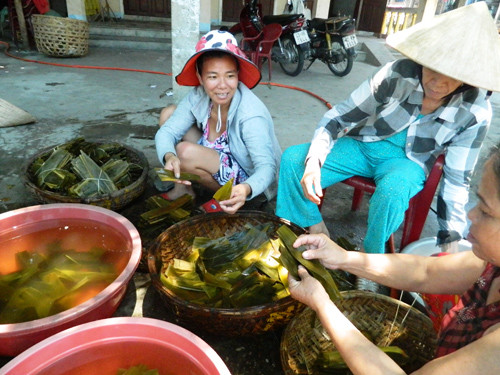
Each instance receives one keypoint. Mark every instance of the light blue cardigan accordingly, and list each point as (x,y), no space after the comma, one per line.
(250,130)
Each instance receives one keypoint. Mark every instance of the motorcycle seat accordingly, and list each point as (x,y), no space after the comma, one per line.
(282,19)
(338,23)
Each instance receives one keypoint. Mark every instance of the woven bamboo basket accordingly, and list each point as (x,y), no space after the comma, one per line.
(114,201)
(387,320)
(60,37)
(175,242)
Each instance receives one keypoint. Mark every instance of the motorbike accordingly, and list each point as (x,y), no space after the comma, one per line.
(333,42)
(293,44)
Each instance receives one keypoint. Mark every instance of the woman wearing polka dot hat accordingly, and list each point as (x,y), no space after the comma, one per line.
(220,130)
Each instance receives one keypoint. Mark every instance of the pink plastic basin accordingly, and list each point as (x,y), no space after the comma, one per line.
(15,338)
(104,346)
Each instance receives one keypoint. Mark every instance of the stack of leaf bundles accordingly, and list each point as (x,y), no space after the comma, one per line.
(85,169)
(235,271)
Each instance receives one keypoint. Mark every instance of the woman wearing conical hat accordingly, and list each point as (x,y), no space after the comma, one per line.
(394,126)
(436,98)
(220,130)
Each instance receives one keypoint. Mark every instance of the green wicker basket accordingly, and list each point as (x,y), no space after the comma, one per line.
(175,242)
(387,321)
(114,201)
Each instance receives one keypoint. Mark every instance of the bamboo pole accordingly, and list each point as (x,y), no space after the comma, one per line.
(22,24)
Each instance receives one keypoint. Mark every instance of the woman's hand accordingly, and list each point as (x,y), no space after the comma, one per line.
(307,290)
(173,163)
(321,247)
(311,181)
(239,195)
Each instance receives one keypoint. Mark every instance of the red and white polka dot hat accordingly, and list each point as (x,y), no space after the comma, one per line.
(218,40)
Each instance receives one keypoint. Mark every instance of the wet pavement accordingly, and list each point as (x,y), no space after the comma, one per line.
(123,106)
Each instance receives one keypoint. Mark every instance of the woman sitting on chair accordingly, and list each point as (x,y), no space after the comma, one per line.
(394,126)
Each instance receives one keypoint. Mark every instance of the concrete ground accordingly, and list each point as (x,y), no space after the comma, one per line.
(123,106)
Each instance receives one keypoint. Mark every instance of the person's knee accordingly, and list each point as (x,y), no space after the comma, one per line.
(185,150)
(400,184)
(166,113)
(293,157)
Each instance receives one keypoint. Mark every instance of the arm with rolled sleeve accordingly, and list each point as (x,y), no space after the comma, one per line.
(460,160)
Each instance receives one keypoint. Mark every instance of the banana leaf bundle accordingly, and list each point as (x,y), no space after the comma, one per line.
(235,271)
(65,169)
(48,284)
(137,370)
(291,257)
(163,210)
(51,173)
(168,175)
(94,180)
(117,170)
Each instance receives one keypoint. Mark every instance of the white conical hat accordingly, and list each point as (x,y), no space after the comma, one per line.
(462,44)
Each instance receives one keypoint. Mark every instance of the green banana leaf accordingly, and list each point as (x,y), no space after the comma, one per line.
(168,175)
(234,271)
(224,192)
(46,283)
(314,267)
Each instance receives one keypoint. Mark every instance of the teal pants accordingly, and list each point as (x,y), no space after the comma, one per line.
(397,178)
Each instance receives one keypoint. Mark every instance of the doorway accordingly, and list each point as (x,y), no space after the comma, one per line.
(149,8)
(372,15)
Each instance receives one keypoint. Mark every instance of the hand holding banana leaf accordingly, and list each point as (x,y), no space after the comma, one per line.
(172,171)
(236,199)
(292,256)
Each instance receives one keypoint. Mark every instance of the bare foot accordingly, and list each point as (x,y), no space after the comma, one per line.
(319,228)
(179,190)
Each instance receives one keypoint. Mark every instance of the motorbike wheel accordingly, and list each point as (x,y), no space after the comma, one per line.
(342,68)
(293,61)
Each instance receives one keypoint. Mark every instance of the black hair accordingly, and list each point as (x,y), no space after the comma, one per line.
(213,54)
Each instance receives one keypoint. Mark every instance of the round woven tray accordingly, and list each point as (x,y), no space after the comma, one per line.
(59,36)
(114,201)
(176,242)
(371,313)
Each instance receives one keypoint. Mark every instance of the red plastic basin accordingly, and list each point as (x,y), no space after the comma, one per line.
(15,338)
(104,346)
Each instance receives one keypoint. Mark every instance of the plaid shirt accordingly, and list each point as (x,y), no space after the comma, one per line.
(471,316)
(390,102)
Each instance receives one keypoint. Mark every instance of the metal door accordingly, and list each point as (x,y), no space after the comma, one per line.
(150,8)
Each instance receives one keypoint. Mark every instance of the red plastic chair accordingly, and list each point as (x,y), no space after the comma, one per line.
(418,208)
(259,47)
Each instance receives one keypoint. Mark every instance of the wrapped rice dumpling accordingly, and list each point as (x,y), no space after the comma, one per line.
(94,180)
(51,173)
(85,169)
